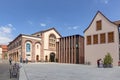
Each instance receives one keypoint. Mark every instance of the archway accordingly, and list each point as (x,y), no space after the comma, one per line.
(37,58)
(52,57)
(46,58)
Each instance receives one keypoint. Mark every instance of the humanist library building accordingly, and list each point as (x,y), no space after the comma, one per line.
(47,46)
(40,46)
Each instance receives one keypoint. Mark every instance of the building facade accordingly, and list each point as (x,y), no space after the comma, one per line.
(101,37)
(3,51)
(70,49)
(0,53)
(40,46)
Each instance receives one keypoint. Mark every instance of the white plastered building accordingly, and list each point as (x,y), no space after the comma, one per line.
(101,37)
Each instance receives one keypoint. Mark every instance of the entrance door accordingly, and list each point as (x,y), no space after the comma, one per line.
(46,58)
(37,58)
(52,57)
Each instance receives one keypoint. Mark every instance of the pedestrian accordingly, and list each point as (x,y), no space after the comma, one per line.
(98,63)
(15,71)
(26,60)
(23,60)
(10,60)
(20,59)
(101,64)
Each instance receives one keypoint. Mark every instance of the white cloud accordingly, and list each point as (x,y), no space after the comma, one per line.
(30,22)
(69,27)
(105,1)
(6,33)
(42,24)
(74,27)
(102,1)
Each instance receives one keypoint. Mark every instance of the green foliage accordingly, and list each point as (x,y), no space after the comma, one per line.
(108,59)
(5,54)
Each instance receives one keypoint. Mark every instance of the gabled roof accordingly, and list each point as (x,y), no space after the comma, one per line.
(95,17)
(20,35)
(48,30)
(73,35)
(117,22)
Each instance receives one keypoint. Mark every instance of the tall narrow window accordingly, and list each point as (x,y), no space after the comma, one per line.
(110,37)
(52,40)
(102,38)
(88,40)
(95,39)
(37,46)
(99,25)
(28,47)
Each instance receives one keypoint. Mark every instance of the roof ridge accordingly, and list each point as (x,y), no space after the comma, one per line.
(98,12)
(43,31)
(47,30)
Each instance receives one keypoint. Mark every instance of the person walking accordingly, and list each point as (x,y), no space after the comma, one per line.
(20,59)
(26,60)
(10,60)
(98,63)
(101,64)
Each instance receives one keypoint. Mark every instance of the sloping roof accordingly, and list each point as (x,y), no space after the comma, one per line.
(95,17)
(117,22)
(73,35)
(47,30)
(22,35)
(3,46)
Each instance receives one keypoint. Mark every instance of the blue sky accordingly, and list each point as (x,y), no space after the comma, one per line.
(69,17)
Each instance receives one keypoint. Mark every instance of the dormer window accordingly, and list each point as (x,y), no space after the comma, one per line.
(98,25)
(38,35)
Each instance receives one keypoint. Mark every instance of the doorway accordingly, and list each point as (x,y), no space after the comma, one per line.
(46,58)
(52,57)
(37,58)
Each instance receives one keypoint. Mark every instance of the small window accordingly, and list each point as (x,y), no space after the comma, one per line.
(110,37)
(37,46)
(99,25)
(95,39)
(102,38)
(38,35)
(88,40)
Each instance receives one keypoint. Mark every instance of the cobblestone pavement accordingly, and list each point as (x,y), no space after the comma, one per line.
(55,71)
(4,71)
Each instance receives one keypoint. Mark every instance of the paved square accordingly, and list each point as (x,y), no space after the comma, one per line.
(56,71)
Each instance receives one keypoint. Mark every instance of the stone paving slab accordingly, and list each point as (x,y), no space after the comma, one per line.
(55,71)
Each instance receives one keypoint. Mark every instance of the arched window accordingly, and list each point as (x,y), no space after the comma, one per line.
(52,40)
(28,47)
(37,46)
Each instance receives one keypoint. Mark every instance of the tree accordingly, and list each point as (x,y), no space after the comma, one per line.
(5,55)
(108,60)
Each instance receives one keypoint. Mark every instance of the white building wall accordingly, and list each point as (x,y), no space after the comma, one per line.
(46,38)
(28,53)
(94,52)
(0,53)
(37,50)
(47,53)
